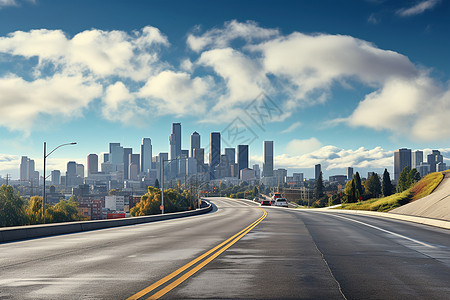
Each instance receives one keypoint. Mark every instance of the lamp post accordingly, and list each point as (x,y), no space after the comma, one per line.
(45,160)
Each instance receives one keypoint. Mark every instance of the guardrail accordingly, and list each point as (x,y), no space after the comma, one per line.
(9,234)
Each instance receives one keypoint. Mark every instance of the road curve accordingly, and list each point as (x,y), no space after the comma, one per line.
(287,254)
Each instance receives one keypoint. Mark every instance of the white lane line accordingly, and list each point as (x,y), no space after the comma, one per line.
(387,231)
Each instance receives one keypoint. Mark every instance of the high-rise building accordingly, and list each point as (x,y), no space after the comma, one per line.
(268,158)
(402,159)
(195,142)
(433,159)
(349,173)
(24,168)
(214,149)
(162,156)
(199,155)
(31,170)
(105,157)
(257,171)
(116,154)
(80,170)
(317,171)
(242,157)
(417,159)
(92,164)
(71,173)
(146,155)
(56,177)
(175,141)
(184,154)
(126,162)
(231,153)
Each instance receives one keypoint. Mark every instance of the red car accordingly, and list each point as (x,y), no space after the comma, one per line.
(266,203)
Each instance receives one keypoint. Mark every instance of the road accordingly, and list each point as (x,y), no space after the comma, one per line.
(284,254)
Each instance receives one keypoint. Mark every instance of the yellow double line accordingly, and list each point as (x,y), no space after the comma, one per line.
(209,255)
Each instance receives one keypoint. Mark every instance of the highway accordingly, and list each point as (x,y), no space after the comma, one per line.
(237,251)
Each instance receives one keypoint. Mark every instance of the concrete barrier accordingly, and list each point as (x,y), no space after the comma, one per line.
(9,234)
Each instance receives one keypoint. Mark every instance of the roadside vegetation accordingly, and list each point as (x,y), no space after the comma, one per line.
(150,203)
(408,189)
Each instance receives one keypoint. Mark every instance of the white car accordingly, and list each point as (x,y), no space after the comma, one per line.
(281,202)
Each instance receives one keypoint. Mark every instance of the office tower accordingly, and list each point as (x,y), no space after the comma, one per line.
(298,177)
(115,154)
(224,167)
(80,170)
(416,159)
(31,169)
(24,168)
(423,169)
(257,171)
(242,157)
(191,166)
(195,142)
(92,164)
(234,168)
(71,173)
(402,159)
(199,155)
(349,173)
(162,156)
(214,149)
(317,170)
(441,166)
(175,141)
(112,145)
(56,177)
(184,154)
(126,161)
(105,157)
(146,155)
(433,159)
(231,153)
(268,158)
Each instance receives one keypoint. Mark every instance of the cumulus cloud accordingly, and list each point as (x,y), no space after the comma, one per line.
(418,9)
(299,147)
(24,102)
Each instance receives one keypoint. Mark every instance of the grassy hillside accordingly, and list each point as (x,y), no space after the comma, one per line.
(421,189)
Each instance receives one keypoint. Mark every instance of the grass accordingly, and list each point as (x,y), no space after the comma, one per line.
(421,189)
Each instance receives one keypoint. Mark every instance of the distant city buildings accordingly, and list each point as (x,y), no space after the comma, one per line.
(317,171)
(402,159)
(268,159)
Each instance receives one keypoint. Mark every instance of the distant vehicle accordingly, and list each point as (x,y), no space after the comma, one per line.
(276,196)
(281,202)
(266,203)
(272,202)
(256,199)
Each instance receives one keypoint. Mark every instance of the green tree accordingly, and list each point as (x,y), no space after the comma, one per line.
(404,181)
(350,191)
(63,211)
(373,186)
(12,207)
(150,202)
(413,177)
(34,210)
(318,188)
(358,186)
(157,184)
(387,187)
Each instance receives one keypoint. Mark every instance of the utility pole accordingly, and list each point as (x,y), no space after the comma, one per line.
(7,179)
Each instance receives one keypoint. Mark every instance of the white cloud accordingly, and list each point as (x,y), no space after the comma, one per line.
(292,127)
(221,38)
(24,102)
(299,147)
(8,3)
(418,9)
(120,104)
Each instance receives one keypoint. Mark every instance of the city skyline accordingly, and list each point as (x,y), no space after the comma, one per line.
(58,95)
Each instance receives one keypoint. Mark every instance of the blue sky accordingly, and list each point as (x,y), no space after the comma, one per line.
(351,80)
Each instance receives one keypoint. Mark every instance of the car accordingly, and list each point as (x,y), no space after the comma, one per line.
(282,202)
(256,199)
(266,203)
(276,195)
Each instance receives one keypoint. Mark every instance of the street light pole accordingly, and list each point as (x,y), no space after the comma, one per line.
(45,160)
(162,185)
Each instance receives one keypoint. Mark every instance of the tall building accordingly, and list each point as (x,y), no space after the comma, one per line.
(195,142)
(416,159)
(175,141)
(268,159)
(146,155)
(126,162)
(71,173)
(349,173)
(115,154)
(433,159)
(31,170)
(199,155)
(162,156)
(214,149)
(231,153)
(242,157)
(402,159)
(257,171)
(56,177)
(24,168)
(80,170)
(317,170)
(92,164)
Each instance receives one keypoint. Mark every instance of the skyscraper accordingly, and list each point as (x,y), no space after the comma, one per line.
(56,177)
(349,173)
(71,173)
(175,141)
(146,155)
(199,155)
(268,158)
(214,149)
(433,159)
(92,164)
(317,170)
(195,142)
(242,157)
(126,162)
(80,170)
(231,153)
(417,159)
(402,159)
(24,168)
(115,154)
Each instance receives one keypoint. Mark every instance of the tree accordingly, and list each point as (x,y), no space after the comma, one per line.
(113,192)
(387,187)
(318,188)
(12,207)
(150,202)
(350,191)
(34,210)
(358,186)
(413,177)
(63,211)
(373,186)
(157,184)
(404,181)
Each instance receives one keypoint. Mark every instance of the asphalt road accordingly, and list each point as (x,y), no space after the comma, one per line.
(286,254)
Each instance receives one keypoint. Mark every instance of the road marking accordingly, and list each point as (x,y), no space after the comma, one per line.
(213,253)
(387,231)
